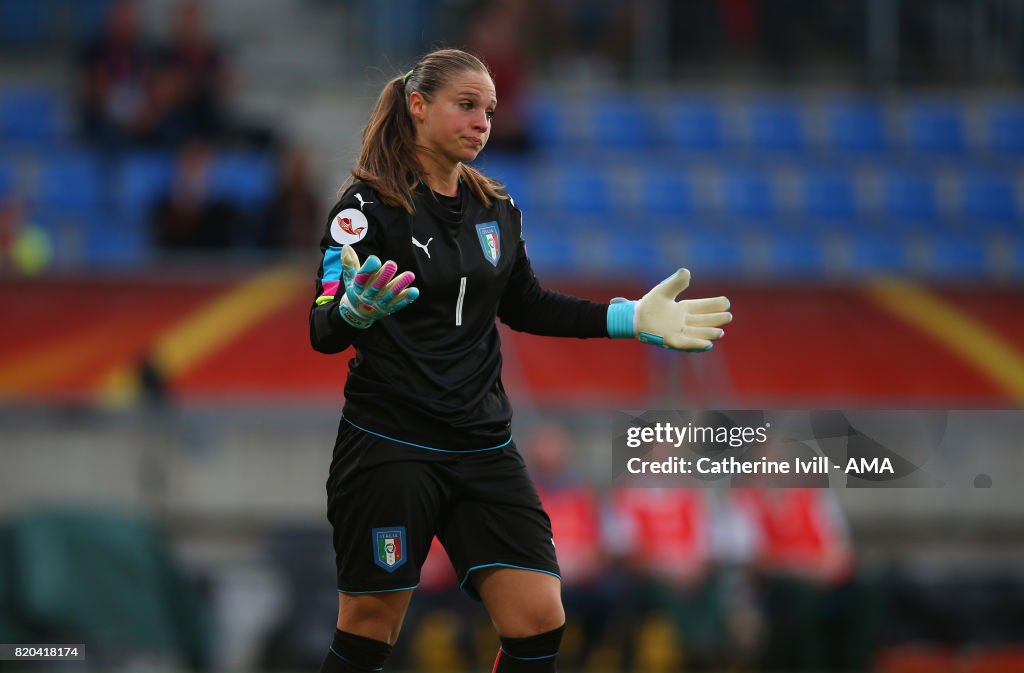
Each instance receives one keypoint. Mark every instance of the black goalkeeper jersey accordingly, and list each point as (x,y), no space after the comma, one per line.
(430,374)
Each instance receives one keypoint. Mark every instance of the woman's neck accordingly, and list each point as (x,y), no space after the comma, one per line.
(443,179)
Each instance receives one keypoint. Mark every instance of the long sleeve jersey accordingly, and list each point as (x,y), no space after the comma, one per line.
(430,374)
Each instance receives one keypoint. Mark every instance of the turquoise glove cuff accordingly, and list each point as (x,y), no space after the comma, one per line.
(621,320)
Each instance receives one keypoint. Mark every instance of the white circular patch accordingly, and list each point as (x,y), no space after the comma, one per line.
(349,226)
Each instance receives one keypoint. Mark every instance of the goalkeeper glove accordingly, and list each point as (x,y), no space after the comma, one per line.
(658,319)
(373,291)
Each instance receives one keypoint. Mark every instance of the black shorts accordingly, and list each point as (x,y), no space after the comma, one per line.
(387,499)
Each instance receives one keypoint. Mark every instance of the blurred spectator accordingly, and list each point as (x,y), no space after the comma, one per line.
(733,549)
(737,18)
(190,217)
(25,249)
(599,33)
(295,213)
(664,533)
(137,94)
(496,38)
(194,61)
(117,71)
(781,25)
(817,616)
(437,635)
(802,533)
(575,511)
(153,386)
(699,30)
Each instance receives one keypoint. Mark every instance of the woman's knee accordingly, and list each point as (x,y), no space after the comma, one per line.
(376,616)
(522,603)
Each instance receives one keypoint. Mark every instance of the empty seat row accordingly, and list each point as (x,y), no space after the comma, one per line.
(36,115)
(32,23)
(936,127)
(82,179)
(927,196)
(554,250)
(30,115)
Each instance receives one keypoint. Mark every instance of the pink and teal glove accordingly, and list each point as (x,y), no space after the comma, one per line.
(658,319)
(373,291)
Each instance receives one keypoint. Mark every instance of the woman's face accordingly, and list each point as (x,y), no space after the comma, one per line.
(457,123)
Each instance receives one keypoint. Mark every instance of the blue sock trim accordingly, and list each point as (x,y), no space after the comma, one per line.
(472,594)
(335,653)
(423,446)
(376,591)
(512,656)
(620,320)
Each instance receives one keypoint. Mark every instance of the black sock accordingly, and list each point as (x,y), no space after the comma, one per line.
(535,654)
(350,653)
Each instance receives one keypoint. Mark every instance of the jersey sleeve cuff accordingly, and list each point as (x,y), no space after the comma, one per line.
(620,320)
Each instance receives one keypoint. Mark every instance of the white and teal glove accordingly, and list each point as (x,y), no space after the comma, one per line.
(373,291)
(658,319)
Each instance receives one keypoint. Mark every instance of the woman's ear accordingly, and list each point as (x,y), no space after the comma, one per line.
(417,106)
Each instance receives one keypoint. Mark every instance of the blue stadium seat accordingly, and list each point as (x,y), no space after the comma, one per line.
(512,172)
(23,23)
(1005,127)
(715,254)
(748,194)
(776,126)
(122,240)
(666,193)
(29,115)
(89,17)
(989,198)
(620,123)
(549,124)
(635,255)
(143,179)
(796,255)
(583,190)
(958,256)
(694,125)
(936,128)
(830,196)
(1017,256)
(69,230)
(856,126)
(72,180)
(6,180)
(248,180)
(879,254)
(550,249)
(94,236)
(910,196)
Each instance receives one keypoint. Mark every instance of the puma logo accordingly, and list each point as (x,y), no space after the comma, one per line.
(423,245)
(359,198)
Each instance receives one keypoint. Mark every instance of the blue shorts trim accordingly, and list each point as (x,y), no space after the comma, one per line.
(335,653)
(376,591)
(424,446)
(472,594)
(510,656)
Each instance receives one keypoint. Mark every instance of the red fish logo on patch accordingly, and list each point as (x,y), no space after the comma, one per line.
(349,226)
(346,225)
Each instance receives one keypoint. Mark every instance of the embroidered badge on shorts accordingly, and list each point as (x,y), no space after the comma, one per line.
(490,241)
(389,547)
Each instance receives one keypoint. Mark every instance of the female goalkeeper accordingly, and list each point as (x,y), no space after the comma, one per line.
(424,446)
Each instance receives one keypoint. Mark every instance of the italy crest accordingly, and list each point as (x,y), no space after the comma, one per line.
(490,241)
(389,547)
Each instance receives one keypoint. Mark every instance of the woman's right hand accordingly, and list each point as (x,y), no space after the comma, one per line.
(372,291)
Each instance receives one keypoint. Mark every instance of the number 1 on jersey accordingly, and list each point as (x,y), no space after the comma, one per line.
(458,304)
